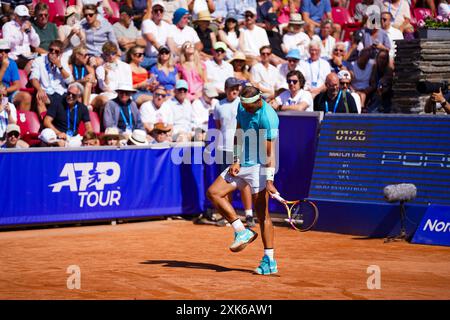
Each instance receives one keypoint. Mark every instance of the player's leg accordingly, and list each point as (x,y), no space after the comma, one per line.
(247,202)
(268,264)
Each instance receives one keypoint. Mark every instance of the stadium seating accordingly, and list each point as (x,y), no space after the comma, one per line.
(56,9)
(352,6)
(116,13)
(30,125)
(95,121)
(342,16)
(24,82)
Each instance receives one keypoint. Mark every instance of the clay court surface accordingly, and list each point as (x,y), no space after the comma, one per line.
(175,259)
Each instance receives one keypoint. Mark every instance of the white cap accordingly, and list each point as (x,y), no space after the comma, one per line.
(139,137)
(344,75)
(125,87)
(48,136)
(159,3)
(250,9)
(22,11)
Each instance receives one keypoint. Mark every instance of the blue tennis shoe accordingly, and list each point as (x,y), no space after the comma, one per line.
(267,266)
(242,239)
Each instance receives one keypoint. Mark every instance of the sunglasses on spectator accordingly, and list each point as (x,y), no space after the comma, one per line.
(345,83)
(43,15)
(220,51)
(248,16)
(24,18)
(4,50)
(158,10)
(90,15)
(138,54)
(292,81)
(164,52)
(338,50)
(160,95)
(13,134)
(110,54)
(53,50)
(160,132)
(188,46)
(124,92)
(292,60)
(84,55)
(71,94)
(266,53)
(182,90)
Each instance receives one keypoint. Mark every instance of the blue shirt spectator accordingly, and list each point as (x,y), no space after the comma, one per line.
(11,75)
(316,9)
(166,80)
(221,9)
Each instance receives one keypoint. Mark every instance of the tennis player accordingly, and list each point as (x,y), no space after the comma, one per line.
(254,164)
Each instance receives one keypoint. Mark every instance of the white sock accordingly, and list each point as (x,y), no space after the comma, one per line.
(249,212)
(269,253)
(238,225)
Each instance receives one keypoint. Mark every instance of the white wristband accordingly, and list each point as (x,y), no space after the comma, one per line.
(269,173)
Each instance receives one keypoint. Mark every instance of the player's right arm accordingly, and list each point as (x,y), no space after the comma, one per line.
(237,151)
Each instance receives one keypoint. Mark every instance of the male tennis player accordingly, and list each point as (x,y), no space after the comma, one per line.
(254,164)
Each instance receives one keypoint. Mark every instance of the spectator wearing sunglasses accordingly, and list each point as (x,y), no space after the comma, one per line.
(65,118)
(265,75)
(142,82)
(161,133)
(82,72)
(49,77)
(252,37)
(12,138)
(156,110)
(337,62)
(294,99)
(8,113)
(218,70)
(21,37)
(46,30)
(164,70)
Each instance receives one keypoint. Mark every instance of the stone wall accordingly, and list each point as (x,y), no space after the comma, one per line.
(417,60)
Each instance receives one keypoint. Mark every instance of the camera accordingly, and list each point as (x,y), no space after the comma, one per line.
(427,87)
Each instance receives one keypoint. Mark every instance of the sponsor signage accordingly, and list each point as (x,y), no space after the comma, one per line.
(434,228)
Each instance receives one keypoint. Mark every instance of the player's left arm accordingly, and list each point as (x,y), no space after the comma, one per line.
(270,166)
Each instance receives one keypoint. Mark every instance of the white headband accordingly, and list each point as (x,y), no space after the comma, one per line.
(251,99)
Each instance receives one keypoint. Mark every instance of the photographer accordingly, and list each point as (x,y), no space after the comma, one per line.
(438,103)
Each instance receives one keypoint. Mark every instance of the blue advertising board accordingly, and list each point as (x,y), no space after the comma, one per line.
(61,185)
(434,228)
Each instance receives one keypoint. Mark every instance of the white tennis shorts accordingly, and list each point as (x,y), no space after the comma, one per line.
(247,175)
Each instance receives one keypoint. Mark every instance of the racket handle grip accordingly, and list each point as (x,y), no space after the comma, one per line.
(277,197)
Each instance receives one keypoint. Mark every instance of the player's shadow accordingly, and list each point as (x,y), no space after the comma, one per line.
(193,265)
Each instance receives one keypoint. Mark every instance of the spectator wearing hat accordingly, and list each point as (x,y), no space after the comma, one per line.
(217,69)
(183,125)
(181,33)
(334,100)
(138,138)
(171,6)
(337,62)
(12,138)
(8,114)
(294,99)
(164,71)
(48,138)
(110,76)
(315,69)
(49,77)
(205,33)
(90,139)
(202,108)
(265,75)
(65,118)
(122,112)
(9,72)
(275,39)
(345,81)
(295,38)
(70,32)
(240,68)
(293,59)
(252,37)
(161,133)
(21,38)
(111,137)
(47,31)
(230,35)
(8,6)
(155,32)
(143,82)
(156,110)
(193,70)
(326,39)
(126,33)
(375,37)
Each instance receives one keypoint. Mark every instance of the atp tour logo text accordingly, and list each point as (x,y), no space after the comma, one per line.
(88,180)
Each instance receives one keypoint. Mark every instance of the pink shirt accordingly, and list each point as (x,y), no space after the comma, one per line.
(194,80)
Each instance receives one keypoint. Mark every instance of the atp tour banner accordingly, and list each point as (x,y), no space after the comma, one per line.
(80,185)
(359,155)
(435,227)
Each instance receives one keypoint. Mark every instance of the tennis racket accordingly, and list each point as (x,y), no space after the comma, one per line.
(302,214)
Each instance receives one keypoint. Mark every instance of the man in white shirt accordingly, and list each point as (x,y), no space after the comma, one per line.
(315,69)
(217,69)
(180,32)
(294,99)
(156,111)
(21,37)
(392,32)
(265,75)
(252,37)
(183,123)
(155,32)
(49,77)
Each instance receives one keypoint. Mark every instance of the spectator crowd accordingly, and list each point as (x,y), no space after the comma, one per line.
(107,72)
